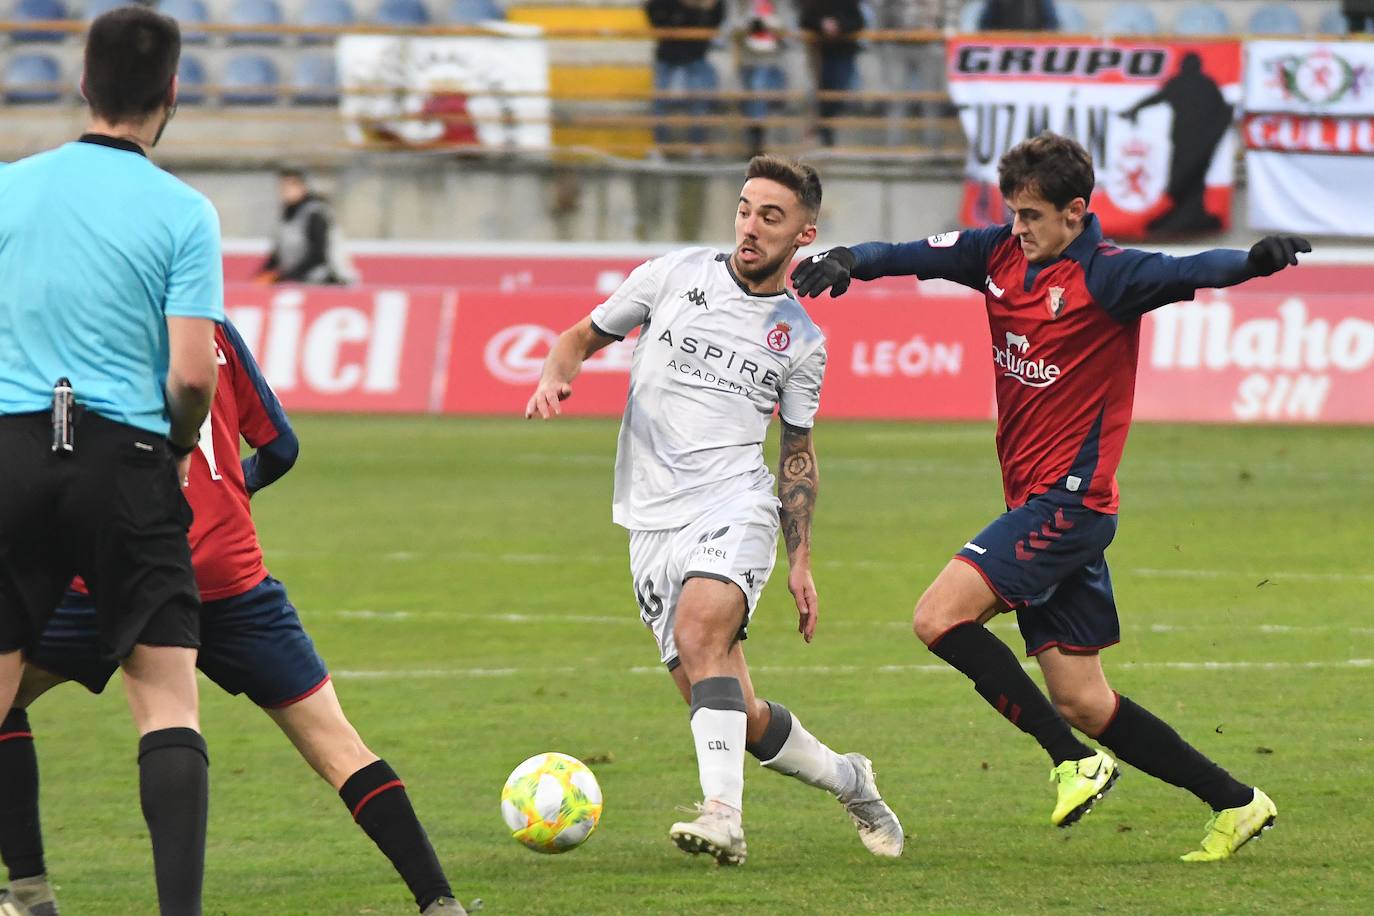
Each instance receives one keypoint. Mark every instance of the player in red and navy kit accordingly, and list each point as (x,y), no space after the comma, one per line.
(252,642)
(1064,309)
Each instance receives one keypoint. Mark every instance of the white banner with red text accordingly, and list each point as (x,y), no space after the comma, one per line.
(1309,136)
(1297,349)
(1155,115)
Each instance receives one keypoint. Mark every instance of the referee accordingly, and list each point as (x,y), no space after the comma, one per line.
(110,286)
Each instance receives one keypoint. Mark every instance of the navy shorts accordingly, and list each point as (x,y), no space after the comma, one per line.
(252,643)
(1045,560)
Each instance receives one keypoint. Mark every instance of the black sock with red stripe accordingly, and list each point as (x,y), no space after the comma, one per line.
(377,799)
(1152,746)
(999,678)
(21,837)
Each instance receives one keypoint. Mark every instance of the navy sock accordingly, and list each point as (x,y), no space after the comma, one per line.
(999,678)
(1152,746)
(21,836)
(377,799)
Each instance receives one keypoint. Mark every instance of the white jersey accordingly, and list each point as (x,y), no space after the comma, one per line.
(712,363)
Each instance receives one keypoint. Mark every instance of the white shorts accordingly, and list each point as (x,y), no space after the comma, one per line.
(732,543)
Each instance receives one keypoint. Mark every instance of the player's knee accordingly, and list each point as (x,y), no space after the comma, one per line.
(929,621)
(1086,711)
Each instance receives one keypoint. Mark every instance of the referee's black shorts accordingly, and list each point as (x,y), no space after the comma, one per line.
(111,512)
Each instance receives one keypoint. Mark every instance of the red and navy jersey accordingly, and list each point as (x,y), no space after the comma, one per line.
(1065,340)
(224,542)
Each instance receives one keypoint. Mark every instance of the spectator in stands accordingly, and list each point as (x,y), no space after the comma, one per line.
(757,28)
(307,248)
(1359,15)
(681,64)
(1019,15)
(912,67)
(833,23)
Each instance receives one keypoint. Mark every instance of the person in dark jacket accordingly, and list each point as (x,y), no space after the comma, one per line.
(834,24)
(1019,16)
(306,246)
(681,64)
(1359,15)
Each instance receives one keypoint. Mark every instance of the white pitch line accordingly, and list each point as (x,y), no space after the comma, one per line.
(1275,576)
(474,673)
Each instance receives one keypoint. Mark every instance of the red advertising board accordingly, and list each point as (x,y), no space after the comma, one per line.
(374,349)
(1295,347)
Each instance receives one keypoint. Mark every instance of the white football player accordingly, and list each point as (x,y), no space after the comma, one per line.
(721,346)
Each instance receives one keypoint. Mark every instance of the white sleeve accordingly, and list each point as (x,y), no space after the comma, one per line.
(630,305)
(801,390)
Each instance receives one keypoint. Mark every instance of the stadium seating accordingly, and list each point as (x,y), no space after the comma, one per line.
(192,81)
(254,12)
(467,12)
(1333,23)
(1202,19)
(1071,19)
(96,8)
(38,11)
(314,80)
(1130,19)
(250,79)
(32,78)
(969,14)
(1274,19)
(402,13)
(187,12)
(326,12)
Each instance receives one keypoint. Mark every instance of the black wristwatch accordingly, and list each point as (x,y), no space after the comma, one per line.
(181,451)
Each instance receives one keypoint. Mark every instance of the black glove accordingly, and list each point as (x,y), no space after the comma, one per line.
(827,270)
(1273,253)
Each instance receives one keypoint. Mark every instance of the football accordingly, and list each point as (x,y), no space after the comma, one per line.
(551,803)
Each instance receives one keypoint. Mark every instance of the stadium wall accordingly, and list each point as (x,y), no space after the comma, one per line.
(464,330)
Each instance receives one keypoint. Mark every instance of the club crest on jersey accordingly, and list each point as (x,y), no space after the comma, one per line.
(780,338)
(1055,301)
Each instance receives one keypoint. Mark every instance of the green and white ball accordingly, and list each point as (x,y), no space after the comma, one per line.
(551,803)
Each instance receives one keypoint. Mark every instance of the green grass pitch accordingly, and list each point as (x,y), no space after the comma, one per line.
(464,582)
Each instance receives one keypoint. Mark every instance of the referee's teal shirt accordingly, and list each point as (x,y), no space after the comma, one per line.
(98,247)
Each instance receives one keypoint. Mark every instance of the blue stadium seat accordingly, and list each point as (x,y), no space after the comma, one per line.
(254,12)
(187,13)
(402,13)
(250,79)
(470,12)
(39,11)
(969,14)
(1274,19)
(191,81)
(96,8)
(1071,19)
(1130,19)
(1333,22)
(1202,19)
(326,12)
(315,80)
(32,78)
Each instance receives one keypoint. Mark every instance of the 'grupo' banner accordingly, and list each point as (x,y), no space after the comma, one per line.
(1309,136)
(1155,115)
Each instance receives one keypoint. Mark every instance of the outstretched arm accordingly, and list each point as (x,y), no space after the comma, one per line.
(961,256)
(562,365)
(798,483)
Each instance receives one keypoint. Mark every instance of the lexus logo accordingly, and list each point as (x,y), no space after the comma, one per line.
(516,354)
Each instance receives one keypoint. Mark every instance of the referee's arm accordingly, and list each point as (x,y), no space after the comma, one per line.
(191,374)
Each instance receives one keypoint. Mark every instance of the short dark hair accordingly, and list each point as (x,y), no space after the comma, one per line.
(131,60)
(1056,167)
(291,171)
(801,178)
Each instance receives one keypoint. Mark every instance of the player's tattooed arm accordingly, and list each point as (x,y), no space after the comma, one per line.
(798,482)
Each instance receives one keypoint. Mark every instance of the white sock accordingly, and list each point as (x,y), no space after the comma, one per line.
(804,757)
(718,729)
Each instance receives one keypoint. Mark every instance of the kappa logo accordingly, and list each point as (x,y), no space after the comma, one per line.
(1055,301)
(780,338)
(697,298)
(994,288)
(1019,341)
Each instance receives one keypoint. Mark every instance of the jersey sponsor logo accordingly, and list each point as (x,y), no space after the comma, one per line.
(780,338)
(697,298)
(1055,301)
(719,359)
(1015,363)
(944,240)
(994,288)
